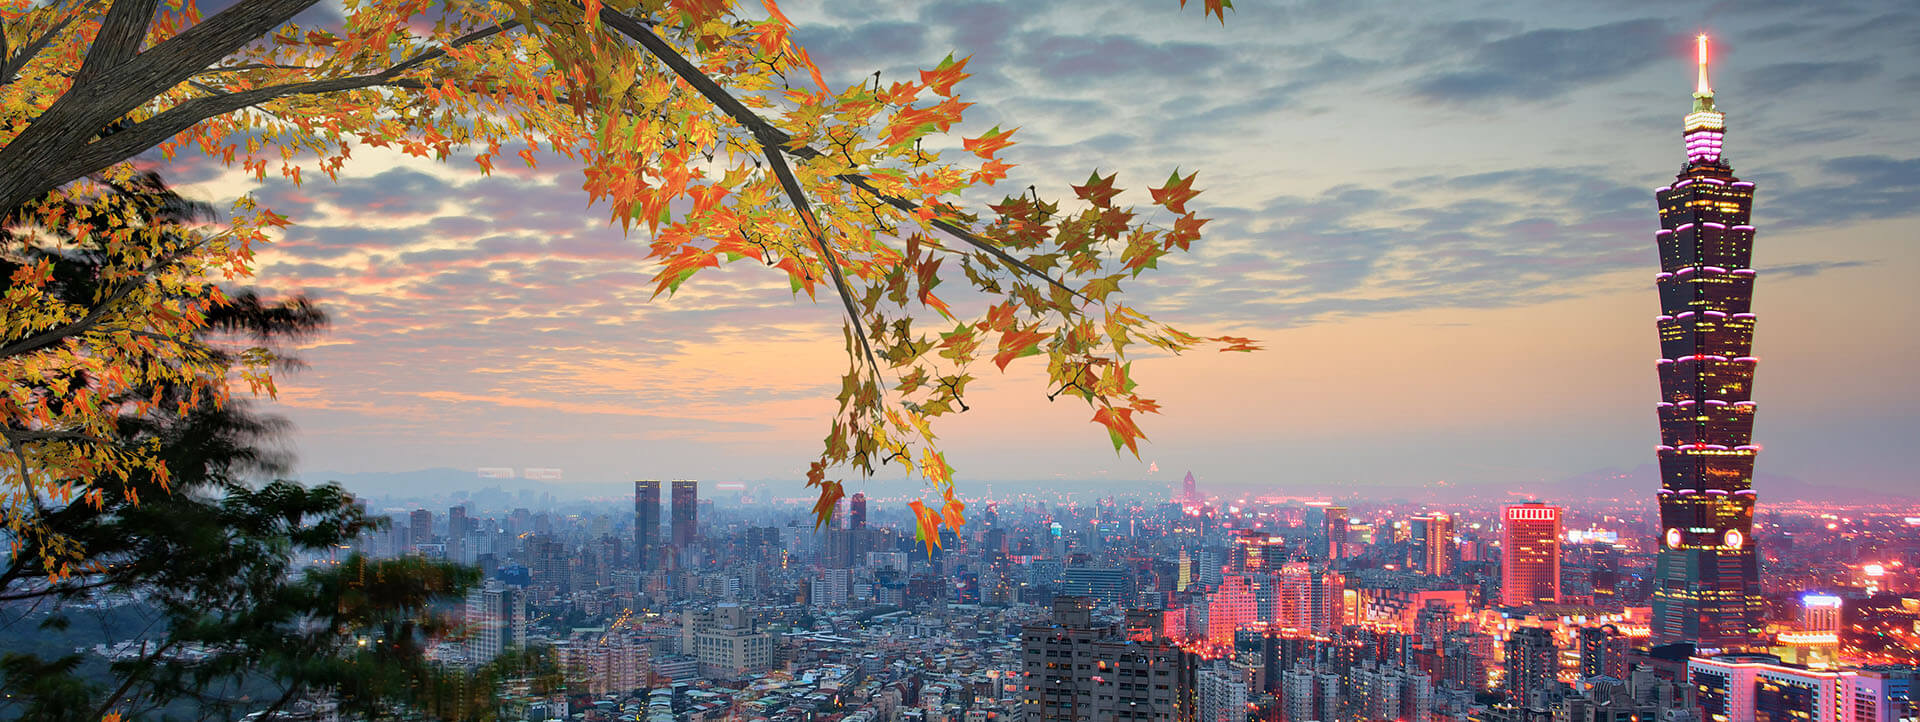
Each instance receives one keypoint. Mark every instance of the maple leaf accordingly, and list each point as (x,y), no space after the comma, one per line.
(989,143)
(942,77)
(926,527)
(1175,194)
(830,493)
(1120,426)
(1017,343)
(1098,191)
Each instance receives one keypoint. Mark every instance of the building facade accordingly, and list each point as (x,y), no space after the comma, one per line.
(686,511)
(1530,555)
(1707,586)
(646,522)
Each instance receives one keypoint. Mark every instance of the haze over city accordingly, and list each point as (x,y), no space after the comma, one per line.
(1438,221)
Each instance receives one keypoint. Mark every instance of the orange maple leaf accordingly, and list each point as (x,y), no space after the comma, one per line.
(927,528)
(1175,194)
(1120,426)
(941,78)
(1017,343)
(990,143)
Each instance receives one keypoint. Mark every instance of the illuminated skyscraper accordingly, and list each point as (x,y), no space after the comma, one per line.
(646,522)
(1707,575)
(686,500)
(1336,531)
(1530,555)
(1431,551)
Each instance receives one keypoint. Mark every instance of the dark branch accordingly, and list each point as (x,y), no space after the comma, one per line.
(772,137)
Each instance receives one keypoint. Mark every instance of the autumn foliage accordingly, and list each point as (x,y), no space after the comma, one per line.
(701,125)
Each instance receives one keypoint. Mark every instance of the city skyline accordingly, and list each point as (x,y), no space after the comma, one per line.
(1357,199)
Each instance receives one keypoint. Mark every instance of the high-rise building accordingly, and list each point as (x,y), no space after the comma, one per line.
(1530,555)
(1077,670)
(1222,695)
(1336,531)
(1707,576)
(686,500)
(1255,551)
(1189,490)
(420,528)
(857,511)
(1603,652)
(496,619)
(1432,544)
(1533,666)
(646,522)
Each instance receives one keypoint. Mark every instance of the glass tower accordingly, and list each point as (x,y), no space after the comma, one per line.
(1707,585)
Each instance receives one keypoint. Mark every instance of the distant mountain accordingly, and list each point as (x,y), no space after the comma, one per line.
(1645,478)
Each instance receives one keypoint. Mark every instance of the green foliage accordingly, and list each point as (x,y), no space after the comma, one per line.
(212,557)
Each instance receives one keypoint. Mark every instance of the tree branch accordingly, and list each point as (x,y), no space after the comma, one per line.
(55,335)
(772,137)
(114,698)
(121,33)
(799,198)
(137,138)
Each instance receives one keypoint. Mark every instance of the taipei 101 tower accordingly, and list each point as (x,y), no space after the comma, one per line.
(1707,578)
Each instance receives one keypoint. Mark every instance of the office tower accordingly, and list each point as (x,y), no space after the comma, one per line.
(646,522)
(1311,598)
(1603,652)
(420,526)
(857,511)
(1189,491)
(1336,531)
(1707,575)
(1530,555)
(1532,666)
(1230,608)
(686,500)
(1104,584)
(1432,544)
(1255,551)
(457,523)
(496,619)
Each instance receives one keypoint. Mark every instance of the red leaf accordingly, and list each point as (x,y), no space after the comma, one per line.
(989,144)
(942,78)
(1017,343)
(1175,194)
(1098,191)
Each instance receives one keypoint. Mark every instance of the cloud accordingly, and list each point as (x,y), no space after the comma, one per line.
(1785,78)
(1802,270)
(1548,63)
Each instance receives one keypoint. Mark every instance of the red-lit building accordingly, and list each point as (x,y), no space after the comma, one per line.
(1530,555)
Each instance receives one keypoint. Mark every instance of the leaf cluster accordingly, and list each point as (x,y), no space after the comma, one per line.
(701,121)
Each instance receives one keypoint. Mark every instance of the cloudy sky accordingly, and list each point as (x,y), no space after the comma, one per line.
(1438,217)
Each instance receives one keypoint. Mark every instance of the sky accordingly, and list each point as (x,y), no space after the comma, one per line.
(1437,217)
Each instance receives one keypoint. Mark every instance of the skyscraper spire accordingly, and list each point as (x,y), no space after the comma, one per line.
(1703,89)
